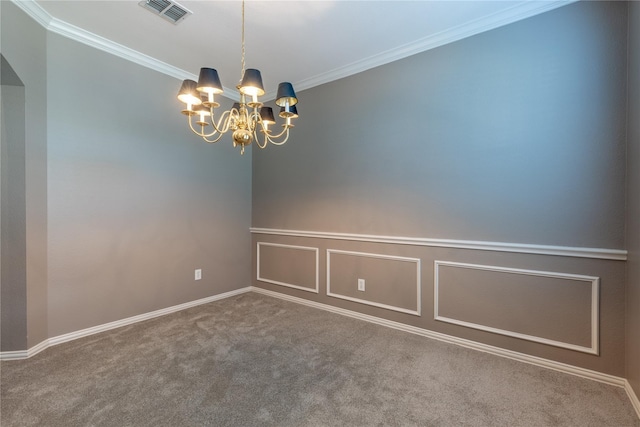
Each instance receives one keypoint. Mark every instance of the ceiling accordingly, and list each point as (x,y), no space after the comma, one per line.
(305,42)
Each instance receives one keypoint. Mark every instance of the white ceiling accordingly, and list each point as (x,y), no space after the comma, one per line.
(305,42)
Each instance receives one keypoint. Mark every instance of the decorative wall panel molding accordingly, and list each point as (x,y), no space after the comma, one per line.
(567,251)
(287,276)
(407,290)
(513,313)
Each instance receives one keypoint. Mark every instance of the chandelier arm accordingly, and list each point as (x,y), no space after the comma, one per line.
(257,122)
(264,142)
(213,141)
(271,139)
(221,127)
(254,120)
(285,130)
(257,119)
(223,122)
(274,142)
(202,133)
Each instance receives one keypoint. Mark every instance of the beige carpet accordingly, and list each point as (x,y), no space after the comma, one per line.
(253,360)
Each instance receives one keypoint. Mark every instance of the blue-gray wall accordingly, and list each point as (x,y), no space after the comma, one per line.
(633,203)
(130,201)
(516,135)
(136,202)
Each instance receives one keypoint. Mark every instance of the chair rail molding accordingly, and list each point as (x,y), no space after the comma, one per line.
(523,248)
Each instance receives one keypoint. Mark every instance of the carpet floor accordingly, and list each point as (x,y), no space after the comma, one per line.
(254,360)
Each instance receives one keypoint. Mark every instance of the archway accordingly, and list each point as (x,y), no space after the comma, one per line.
(13,243)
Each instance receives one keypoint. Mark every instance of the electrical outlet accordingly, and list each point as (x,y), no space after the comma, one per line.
(361,285)
(198,274)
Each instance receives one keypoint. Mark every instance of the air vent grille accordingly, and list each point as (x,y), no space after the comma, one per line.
(175,13)
(158,5)
(169,10)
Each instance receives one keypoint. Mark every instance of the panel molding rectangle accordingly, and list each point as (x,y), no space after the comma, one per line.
(416,312)
(594,282)
(315,289)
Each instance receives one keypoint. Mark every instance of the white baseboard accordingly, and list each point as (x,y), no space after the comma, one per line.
(538,361)
(24,354)
(521,357)
(632,397)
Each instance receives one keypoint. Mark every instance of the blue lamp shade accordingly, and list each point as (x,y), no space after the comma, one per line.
(289,111)
(286,95)
(251,83)
(208,81)
(188,93)
(266,114)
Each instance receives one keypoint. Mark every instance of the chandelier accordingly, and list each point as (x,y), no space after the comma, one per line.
(246,118)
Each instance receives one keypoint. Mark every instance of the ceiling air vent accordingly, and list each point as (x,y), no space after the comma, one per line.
(169,10)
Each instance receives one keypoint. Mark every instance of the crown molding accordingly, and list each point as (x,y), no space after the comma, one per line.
(504,17)
(35,11)
(78,34)
(490,22)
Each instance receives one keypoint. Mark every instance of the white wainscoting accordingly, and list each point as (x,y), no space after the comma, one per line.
(593,282)
(260,278)
(416,261)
